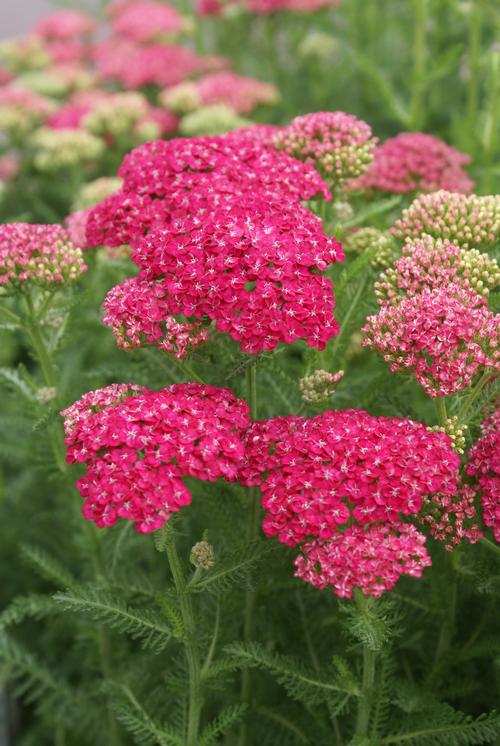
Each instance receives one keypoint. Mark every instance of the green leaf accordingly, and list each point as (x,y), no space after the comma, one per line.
(232,570)
(145,625)
(220,724)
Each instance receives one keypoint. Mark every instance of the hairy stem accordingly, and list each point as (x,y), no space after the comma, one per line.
(190,646)
(441,413)
(490,545)
(474,393)
(252,533)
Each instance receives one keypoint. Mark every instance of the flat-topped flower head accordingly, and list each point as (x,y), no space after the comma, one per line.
(166,181)
(319,474)
(241,94)
(444,336)
(212,119)
(256,268)
(467,220)
(22,54)
(319,386)
(416,162)
(340,145)
(432,263)
(145,21)
(484,465)
(38,254)
(371,559)
(380,244)
(95,191)
(140,314)
(139,444)
(117,114)
(56,150)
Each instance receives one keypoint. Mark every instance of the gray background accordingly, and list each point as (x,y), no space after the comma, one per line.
(17,16)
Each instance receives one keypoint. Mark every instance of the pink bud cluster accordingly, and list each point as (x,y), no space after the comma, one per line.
(466,220)
(324,472)
(65,24)
(144,21)
(443,335)
(139,444)
(22,110)
(432,263)
(371,558)
(339,144)
(255,268)
(484,465)
(452,519)
(414,161)
(139,311)
(265,7)
(38,254)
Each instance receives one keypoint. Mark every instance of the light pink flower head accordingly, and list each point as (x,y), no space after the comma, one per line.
(38,254)
(240,93)
(444,336)
(144,21)
(417,162)
(65,24)
(339,144)
(139,444)
(371,559)
(484,465)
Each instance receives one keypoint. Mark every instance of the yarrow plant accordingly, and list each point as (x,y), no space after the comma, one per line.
(484,466)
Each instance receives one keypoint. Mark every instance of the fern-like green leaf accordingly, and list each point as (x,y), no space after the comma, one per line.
(232,570)
(145,625)
(33,606)
(47,566)
(455,729)
(220,724)
(301,683)
(145,729)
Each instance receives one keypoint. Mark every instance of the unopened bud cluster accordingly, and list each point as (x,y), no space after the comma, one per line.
(116,115)
(46,394)
(202,555)
(96,191)
(215,119)
(319,386)
(456,432)
(383,245)
(467,220)
(54,150)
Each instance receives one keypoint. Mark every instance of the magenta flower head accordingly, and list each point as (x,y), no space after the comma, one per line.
(39,255)
(255,268)
(467,220)
(139,444)
(432,263)
(339,486)
(168,180)
(416,162)
(452,519)
(370,558)
(338,144)
(484,465)
(319,475)
(444,336)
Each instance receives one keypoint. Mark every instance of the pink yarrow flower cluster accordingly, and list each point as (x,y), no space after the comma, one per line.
(38,254)
(139,444)
(144,21)
(321,473)
(175,178)
(433,263)
(236,91)
(370,558)
(339,144)
(65,24)
(467,220)
(265,7)
(339,485)
(255,268)
(414,161)
(444,336)
(484,465)
(452,519)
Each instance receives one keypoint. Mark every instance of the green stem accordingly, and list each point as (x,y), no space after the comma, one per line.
(473,396)
(448,625)
(365,700)
(490,545)
(213,642)
(11,316)
(419,63)
(344,323)
(490,133)
(190,646)
(440,406)
(475,28)
(252,533)
(190,373)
